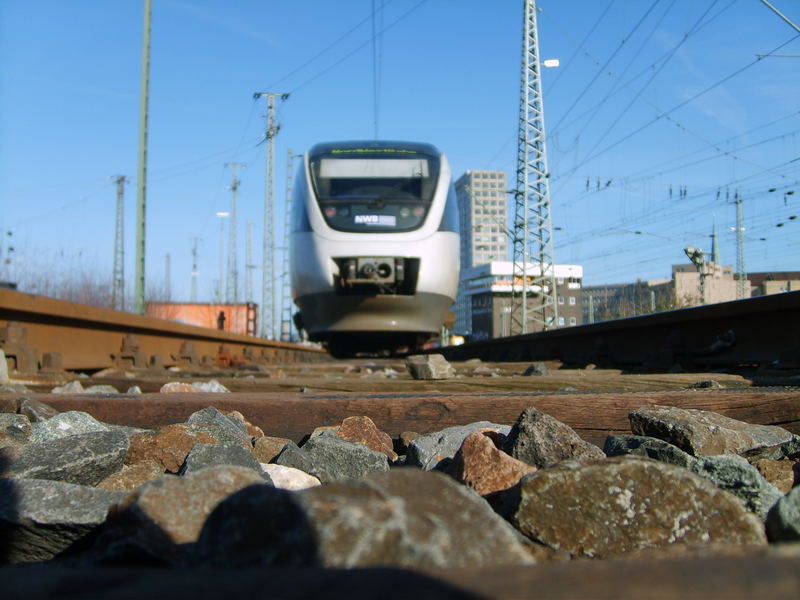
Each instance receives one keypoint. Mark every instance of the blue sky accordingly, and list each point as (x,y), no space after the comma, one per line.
(659,114)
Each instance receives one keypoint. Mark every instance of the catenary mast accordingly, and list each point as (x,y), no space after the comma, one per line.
(286,288)
(232,277)
(534,304)
(118,276)
(268,291)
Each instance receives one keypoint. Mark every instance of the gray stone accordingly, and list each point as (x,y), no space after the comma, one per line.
(84,459)
(202,456)
(41,519)
(437,449)
(64,424)
(15,430)
(734,474)
(648,447)
(134,390)
(541,440)
(214,417)
(35,410)
(405,518)
(334,458)
(789,449)
(297,458)
(704,433)
(429,366)
(157,523)
(783,521)
(538,369)
(620,505)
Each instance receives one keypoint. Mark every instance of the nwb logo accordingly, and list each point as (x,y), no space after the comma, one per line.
(383,220)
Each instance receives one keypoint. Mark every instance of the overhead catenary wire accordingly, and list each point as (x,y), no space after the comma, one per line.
(678,106)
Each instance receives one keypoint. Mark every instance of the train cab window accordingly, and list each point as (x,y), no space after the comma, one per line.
(374,190)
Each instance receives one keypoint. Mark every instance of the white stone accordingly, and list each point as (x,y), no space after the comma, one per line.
(73,387)
(289,478)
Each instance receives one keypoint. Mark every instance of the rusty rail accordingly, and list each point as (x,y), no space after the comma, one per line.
(756,332)
(38,332)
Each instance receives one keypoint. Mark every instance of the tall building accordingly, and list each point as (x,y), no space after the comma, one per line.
(483,209)
(483,212)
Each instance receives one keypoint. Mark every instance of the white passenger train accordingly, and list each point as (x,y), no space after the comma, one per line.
(374,245)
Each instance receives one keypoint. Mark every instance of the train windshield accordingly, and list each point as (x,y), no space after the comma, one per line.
(374,189)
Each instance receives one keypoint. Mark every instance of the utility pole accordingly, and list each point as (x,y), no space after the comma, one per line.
(249,266)
(194,240)
(167,278)
(141,194)
(286,287)
(118,274)
(741,272)
(232,287)
(268,292)
(220,291)
(532,238)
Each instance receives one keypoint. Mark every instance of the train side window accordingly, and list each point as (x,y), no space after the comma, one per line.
(300,220)
(450,216)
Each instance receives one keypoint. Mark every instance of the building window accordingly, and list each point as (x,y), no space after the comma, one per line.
(560,281)
(560,320)
(561,301)
(573,321)
(572,301)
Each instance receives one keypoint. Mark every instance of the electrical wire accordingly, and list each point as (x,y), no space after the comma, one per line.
(603,67)
(358,48)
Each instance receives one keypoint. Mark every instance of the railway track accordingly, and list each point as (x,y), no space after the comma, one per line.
(39,333)
(757,332)
(289,391)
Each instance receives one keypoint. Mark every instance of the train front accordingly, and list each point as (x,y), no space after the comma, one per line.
(374,245)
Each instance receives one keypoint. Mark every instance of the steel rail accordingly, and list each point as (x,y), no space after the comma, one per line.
(753,332)
(57,334)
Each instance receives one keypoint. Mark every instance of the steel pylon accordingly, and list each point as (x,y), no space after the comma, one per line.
(534,305)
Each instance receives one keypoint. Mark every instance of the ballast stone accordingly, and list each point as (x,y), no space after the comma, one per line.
(40,519)
(619,505)
(405,518)
(647,447)
(213,417)
(33,409)
(542,441)
(84,459)
(64,424)
(485,468)
(429,366)
(334,458)
(202,456)
(783,521)
(734,474)
(156,522)
(704,433)
(15,430)
(437,449)
(168,445)
(289,478)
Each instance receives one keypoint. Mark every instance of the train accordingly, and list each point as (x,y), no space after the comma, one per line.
(373,245)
